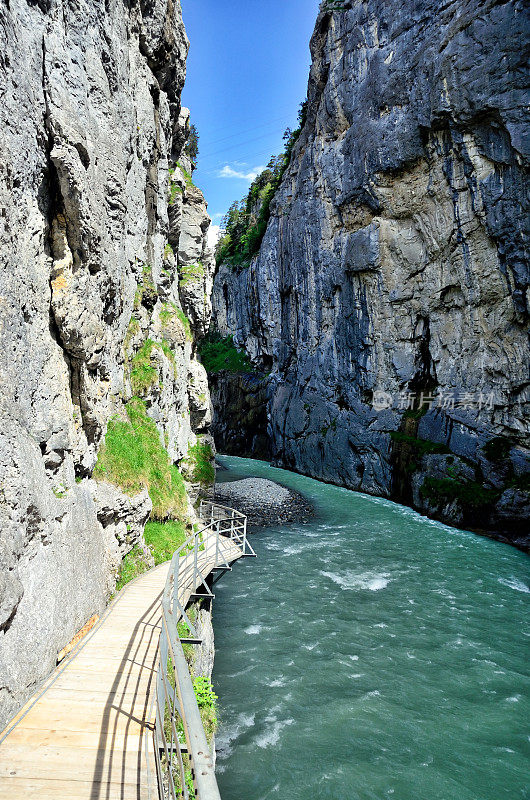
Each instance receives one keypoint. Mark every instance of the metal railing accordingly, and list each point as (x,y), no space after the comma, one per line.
(184,762)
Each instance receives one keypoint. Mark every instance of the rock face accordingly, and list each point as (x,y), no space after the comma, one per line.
(240,421)
(394,263)
(100,223)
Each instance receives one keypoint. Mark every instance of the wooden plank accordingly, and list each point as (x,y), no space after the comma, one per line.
(13,788)
(79,740)
(56,763)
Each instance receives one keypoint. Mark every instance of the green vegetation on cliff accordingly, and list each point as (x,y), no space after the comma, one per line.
(162,539)
(191,274)
(198,464)
(220,353)
(133,458)
(470,494)
(246,221)
(170,312)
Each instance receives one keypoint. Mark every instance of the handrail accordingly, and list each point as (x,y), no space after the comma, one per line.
(177,712)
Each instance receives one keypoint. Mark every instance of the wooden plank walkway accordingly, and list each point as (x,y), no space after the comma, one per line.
(87,734)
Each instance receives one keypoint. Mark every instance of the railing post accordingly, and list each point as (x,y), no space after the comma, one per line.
(176,588)
(195,558)
(216,544)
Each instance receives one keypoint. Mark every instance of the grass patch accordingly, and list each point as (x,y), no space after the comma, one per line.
(135,563)
(199,463)
(187,176)
(132,457)
(174,188)
(163,538)
(191,274)
(143,373)
(218,353)
(132,329)
(186,324)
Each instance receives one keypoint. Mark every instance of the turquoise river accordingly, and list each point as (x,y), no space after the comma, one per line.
(371,653)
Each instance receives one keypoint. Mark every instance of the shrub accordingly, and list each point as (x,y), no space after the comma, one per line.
(192,145)
(132,457)
(135,563)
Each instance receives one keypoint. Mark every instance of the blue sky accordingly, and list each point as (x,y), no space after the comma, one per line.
(247,74)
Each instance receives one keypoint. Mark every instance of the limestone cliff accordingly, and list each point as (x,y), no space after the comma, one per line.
(395,264)
(105,286)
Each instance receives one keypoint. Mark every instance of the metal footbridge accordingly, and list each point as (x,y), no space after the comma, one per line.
(118,719)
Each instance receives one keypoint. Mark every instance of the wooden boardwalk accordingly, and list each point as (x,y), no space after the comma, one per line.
(87,734)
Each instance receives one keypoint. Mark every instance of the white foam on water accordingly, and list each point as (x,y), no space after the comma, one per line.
(514,699)
(272,735)
(252,630)
(310,646)
(515,583)
(353,658)
(350,580)
(228,734)
(278,682)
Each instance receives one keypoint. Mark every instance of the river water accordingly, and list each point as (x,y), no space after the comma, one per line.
(371,653)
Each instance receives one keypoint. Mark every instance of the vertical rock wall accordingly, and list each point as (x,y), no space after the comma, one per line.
(395,261)
(98,227)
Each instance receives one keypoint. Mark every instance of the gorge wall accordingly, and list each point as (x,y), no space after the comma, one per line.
(394,263)
(105,288)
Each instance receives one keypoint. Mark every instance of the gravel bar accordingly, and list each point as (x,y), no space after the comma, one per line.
(263,501)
